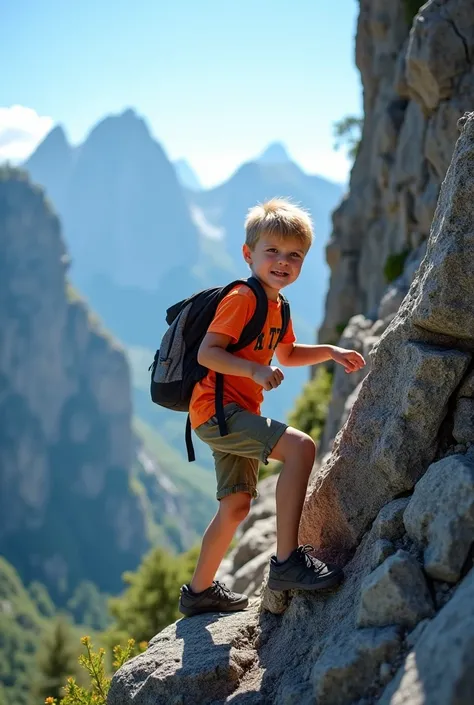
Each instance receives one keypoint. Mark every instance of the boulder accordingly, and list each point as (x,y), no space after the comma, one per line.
(395,593)
(440,669)
(348,666)
(440,516)
(198,660)
(389,522)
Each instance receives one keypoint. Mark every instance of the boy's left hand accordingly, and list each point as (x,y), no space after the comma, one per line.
(351,360)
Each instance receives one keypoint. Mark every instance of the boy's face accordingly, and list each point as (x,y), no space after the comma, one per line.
(275,261)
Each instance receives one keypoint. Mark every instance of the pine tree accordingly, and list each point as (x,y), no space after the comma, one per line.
(57,660)
(150,603)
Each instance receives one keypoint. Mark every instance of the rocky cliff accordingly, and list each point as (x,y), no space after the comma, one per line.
(65,414)
(394,495)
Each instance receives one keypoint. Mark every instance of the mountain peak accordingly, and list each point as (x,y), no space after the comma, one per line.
(275,153)
(187,176)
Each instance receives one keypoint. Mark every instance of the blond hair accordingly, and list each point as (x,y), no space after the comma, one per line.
(281,218)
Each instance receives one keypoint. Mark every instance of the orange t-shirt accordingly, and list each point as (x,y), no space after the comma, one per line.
(233,313)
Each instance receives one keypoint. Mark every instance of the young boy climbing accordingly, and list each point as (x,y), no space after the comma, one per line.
(278,237)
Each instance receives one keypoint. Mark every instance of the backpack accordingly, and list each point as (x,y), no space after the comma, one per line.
(175,368)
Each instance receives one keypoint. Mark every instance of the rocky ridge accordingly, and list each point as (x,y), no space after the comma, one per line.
(393,495)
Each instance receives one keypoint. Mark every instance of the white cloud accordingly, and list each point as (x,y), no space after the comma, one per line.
(21,130)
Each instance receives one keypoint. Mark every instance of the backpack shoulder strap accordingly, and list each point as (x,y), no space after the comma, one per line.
(285,317)
(254,327)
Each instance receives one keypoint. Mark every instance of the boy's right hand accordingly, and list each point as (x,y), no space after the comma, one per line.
(267,376)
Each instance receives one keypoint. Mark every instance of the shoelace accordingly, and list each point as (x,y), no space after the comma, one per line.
(310,561)
(221,590)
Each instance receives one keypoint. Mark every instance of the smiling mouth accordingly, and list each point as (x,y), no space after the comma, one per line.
(281,275)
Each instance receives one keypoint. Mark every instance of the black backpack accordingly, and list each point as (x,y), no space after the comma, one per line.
(175,368)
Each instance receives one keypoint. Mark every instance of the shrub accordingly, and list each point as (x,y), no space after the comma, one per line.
(411,9)
(347,132)
(394,265)
(311,407)
(94,664)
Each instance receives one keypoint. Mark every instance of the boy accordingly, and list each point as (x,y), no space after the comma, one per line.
(278,237)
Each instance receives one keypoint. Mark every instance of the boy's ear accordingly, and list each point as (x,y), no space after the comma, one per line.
(247,253)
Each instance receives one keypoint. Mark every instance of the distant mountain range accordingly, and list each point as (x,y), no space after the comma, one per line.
(186,175)
(140,240)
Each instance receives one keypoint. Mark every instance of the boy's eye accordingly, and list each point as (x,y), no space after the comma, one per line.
(295,254)
(272,249)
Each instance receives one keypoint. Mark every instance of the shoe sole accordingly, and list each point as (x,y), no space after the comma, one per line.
(192,611)
(323,584)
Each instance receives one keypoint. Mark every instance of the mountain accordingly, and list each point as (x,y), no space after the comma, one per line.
(275,153)
(82,493)
(186,175)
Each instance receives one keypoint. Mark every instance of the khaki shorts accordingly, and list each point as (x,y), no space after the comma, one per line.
(250,440)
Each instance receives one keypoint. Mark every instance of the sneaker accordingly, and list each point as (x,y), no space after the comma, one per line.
(302,571)
(217,598)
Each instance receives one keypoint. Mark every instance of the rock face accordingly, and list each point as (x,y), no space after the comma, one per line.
(390,438)
(400,628)
(65,414)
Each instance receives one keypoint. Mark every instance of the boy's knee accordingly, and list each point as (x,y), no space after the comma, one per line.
(295,443)
(235,507)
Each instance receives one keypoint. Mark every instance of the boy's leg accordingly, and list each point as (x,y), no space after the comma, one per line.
(296,451)
(236,485)
(294,567)
(232,511)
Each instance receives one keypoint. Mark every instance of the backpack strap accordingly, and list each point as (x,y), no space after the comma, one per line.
(189,441)
(285,317)
(254,327)
(250,332)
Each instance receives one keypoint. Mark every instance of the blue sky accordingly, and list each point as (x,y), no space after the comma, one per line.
(216,80)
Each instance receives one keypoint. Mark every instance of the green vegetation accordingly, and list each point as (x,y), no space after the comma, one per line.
(21,625)
(57,660)
(94,663)
(341,327)
(311,407)
(394,265)
(38,655)
(411,9)
(150,602)
(347,132)
(88,606)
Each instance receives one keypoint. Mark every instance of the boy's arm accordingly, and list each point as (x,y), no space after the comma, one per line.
(295,355)
(213,355)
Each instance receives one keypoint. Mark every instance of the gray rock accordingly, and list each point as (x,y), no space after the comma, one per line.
(200,660)
(416,633)
(467,387)
(381,326)
(389,522)
(440,669)
(436,51)
(348,666)
(257,539)
(250,576)
(273,601)
(395,593)
(263,506)
(463,429)
(395,437)
(390,438)
(440,516)
(381,551)
(391,300)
